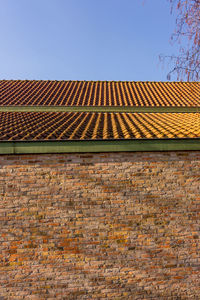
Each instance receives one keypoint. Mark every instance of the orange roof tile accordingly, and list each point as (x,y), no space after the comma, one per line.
(46,126)
(98,93)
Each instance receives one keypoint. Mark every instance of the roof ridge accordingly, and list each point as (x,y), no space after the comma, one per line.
(69,80)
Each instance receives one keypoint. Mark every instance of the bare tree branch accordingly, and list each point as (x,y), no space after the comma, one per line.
(187,63)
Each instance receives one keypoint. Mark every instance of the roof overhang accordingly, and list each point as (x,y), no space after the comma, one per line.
(31,147)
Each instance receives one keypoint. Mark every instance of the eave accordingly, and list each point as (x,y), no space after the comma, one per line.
(31,147)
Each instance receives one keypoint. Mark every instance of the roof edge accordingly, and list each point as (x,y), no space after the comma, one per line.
(99,146)
(101,80)
(143,109)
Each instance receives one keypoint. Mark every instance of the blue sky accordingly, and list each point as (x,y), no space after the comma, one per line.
(85,39)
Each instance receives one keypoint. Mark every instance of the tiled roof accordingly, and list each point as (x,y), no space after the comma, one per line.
(36,126)
(98,111)
(99,93)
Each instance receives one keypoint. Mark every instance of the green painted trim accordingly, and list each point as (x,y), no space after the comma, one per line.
(99,109)
(99,146)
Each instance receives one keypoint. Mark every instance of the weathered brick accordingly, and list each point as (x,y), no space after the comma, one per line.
(100,226)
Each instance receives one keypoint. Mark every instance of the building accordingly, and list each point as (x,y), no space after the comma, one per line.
(99,187)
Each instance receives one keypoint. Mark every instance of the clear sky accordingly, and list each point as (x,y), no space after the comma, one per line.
(85,39)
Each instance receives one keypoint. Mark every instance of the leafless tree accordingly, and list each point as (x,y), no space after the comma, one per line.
(187,34)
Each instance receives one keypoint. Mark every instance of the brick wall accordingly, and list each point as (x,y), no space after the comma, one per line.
(100,226)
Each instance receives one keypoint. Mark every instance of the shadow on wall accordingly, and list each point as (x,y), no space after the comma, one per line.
(101,225)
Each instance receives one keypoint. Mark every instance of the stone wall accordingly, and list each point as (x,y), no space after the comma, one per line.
(100,226)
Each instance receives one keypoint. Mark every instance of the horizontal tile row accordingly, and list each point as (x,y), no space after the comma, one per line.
(44,126)
(99,93)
